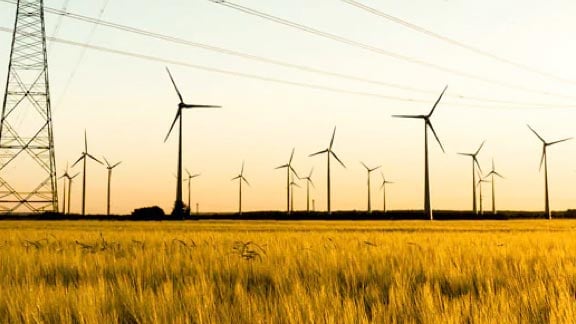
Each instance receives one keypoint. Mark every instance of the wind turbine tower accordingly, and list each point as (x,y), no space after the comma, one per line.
(85,155)
(26,132)
(427,124)
(383,186)
(240,179)
(289,169)
(308,183)
(109,167)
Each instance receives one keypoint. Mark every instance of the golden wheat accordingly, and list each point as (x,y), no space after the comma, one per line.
(287,272)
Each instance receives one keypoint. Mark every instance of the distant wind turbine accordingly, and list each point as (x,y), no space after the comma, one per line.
(189,179)
(179,204)
(383,186)
(109,167)
(70,190)
(308,183)
(479,184)
(65,177)
(83,158)
(289,168)
(369,171)
(329,153)
(475,163)
(240,178)
(427,124)
(544,159)
(491,174)
(292,185)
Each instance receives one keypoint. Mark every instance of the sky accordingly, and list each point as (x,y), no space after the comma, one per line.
(127,104)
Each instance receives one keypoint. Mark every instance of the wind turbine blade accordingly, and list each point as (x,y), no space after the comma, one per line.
(365,167)
(282,166)
(560,141)
(175,87)
(291,156)
(199,106)
(74,176)
(479,148)
(409,116)
(332,140)
(85,142)
(93,158)
(311,182)
(337,159)
(107,163)
(435,135)
(115,165)
(437,101)
(195,175)
(321,152)
(310,174)
(236,177)
(374,169)
(465,154)
(173,123)
(187,172)
(80,159)
(242,170)
(295,173)
(533,131)
(498,174)
(246,181)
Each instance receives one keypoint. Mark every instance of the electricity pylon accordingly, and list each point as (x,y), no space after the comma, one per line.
(27,159)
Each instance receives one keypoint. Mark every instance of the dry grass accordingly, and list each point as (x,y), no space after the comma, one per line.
(289,272)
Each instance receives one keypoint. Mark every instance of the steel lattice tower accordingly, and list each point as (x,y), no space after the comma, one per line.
(27,160)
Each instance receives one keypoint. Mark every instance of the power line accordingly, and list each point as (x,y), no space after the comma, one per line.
(384,52)
(268,79)
(457,43)
(248,56)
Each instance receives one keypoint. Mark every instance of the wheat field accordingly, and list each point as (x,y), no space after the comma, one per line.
(288,272)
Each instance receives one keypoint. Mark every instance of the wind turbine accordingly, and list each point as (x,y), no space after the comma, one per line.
(83,158)
(427,124)
(109,167)
(544,159)
(383,186)
(329,153)
(70,189)
(369,171)
(64,176)
(240,178)
(292,185)
(189,179)
(474,164)
(479,184)
(178,204)
(491,174)
(308,183)
(289,168)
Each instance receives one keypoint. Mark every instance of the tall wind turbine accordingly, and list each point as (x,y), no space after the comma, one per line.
(369,171)
(83,158)
(427,124)
(289,169)
(383,186)
(491,174)
(240,178)
(329,153)
(178,204)
(308,183)
(189,179)
(109,167)
(544,159)
(475,163)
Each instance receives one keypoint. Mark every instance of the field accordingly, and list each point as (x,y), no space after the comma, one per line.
(288,272)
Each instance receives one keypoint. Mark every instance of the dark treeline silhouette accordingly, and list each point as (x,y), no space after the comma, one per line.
(157,214)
